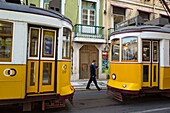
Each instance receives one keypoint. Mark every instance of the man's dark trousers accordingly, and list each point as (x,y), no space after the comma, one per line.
(92,78)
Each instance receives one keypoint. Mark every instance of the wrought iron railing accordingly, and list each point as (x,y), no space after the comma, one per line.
(88,31)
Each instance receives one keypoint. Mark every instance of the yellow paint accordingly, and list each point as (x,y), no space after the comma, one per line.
(32,88)
(165,78)
(50,87)
(63,86)
(132,76)
(63,78)
(12,87)
(128,74)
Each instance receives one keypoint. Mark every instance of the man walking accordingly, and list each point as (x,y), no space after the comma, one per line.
(93,75)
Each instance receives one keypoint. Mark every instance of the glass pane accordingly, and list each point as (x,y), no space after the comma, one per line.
(32,74)
(5,41)
(5,28)
(155,51)
(115,49)
(48,43)
(146,51)
(88,4)
(5,46)
(34,42)
(129,48)
(47,73)
(66,43)
(145,73)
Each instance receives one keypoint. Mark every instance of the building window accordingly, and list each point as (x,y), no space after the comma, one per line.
(66,49)
(115,49)
(119,14)
(129,49)
(166,18)
(46,4)
(88,13)
(6,33)
(144,15)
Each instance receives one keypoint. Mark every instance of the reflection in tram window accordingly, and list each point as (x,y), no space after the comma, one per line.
(33,74)
(34,42)
(66,43)
(48,43)
(129,48)
(47,71)
(115,49)
(146,51)
(5,41)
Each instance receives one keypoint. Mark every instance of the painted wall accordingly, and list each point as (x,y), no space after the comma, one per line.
(71,10)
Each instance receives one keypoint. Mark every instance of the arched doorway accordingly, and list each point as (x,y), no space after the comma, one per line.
(87,54)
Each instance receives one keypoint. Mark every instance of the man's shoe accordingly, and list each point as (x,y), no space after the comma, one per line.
(88,88)
(99,89)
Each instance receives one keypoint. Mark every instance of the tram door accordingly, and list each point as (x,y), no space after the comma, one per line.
(150,59)
(41,60)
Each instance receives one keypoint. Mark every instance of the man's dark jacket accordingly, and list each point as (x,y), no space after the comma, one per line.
(93,70)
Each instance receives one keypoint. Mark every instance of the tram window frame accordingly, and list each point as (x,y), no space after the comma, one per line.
(114,43)
(148,50)
(37,43)
(66,48)
(136,53)
(4,33)
(53,42)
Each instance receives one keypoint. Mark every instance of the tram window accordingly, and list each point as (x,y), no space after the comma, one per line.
(66,43)
(48,43)
(146,51)
(115,49)
(129,49)
(155,51)
(5,41)
(34,40)
(47,73)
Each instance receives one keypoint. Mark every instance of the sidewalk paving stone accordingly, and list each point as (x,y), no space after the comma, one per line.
(81,84)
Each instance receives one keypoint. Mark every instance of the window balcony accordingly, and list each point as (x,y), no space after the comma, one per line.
(88,32)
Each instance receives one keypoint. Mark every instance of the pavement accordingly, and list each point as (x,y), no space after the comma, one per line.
(81,84)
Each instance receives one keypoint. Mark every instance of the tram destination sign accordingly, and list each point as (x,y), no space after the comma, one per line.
(133,21)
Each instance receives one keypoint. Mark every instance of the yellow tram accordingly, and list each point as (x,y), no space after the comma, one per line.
(140,61)
(35,56)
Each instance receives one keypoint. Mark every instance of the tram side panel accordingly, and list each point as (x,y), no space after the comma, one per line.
(13,72)
(164,78)
(128,76)
(64,86)
(164,64)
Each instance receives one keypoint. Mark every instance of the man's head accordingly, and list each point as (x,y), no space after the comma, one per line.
(94,61)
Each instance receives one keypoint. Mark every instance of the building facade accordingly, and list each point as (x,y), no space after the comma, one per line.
(93,21)
(121,10)
(88,37)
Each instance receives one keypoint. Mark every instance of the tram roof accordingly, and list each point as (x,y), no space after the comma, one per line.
(33,10)
(150,28)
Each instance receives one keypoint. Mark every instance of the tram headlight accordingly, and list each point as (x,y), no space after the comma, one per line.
(114,76)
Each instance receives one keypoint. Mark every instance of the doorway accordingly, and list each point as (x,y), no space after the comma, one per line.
(150,59)
(41,60)
(88,53)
